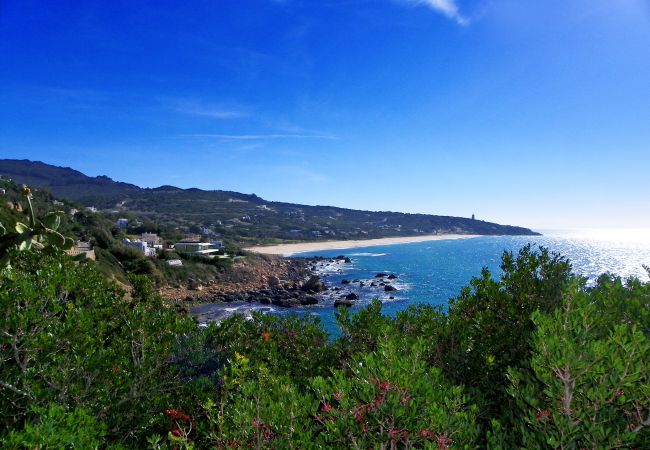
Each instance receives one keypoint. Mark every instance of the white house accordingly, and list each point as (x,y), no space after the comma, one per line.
(140,246)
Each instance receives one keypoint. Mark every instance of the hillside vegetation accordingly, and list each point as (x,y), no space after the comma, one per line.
(113,259)
(239,217)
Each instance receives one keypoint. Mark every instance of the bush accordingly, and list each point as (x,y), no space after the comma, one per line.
(68,336)
(588,385)
(489,324)
(289,346)
(390,398)
(54,427)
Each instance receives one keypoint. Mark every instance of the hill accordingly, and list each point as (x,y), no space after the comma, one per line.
(244,218)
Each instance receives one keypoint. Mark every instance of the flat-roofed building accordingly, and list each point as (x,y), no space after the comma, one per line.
(193,247)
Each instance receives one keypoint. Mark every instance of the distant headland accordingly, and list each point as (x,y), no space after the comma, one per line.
(245,219)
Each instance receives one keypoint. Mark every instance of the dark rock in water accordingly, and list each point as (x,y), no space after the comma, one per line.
(382,284)
(343,302)
(361,284)
(286,302)
(381,275)
(389,288)
(356,281)
(337,288)
(352,296)
(314,285)
(345,281)
(308,300)
(392,276)
(265,300)
(373,284)
(347,260)
(391,298)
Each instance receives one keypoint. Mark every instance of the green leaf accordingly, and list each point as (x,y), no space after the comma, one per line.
(56,239)
(67,244)
(25,245)
(52,220)
(21,227)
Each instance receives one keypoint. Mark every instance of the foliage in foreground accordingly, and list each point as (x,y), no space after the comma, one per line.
(533,359)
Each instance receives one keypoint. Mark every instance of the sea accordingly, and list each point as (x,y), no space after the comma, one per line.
(435,271)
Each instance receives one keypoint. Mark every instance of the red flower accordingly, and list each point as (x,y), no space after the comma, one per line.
(426,434)
(543,415)
(385,386)
(443,441)
(326,408)
(177,415)
(266,336)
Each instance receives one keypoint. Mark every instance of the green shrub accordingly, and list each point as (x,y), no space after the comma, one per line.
(258,409)
(390,399)
(588,385)
(68,336)
(297,347)
(54,427)
(489,325)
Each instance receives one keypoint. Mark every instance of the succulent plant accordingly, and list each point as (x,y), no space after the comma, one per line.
(37,234)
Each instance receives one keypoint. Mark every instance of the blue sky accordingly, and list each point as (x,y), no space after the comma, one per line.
(519,111)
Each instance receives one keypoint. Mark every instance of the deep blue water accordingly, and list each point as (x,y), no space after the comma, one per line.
(433,272)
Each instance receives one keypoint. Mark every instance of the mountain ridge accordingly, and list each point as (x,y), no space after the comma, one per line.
(244,217)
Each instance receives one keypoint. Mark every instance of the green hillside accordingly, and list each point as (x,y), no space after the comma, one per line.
(239,217)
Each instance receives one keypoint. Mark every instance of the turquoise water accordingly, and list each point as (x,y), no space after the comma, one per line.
(435,271)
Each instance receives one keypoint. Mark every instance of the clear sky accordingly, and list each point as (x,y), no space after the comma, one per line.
(526,112)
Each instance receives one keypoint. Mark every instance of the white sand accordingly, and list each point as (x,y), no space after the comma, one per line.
(290,249)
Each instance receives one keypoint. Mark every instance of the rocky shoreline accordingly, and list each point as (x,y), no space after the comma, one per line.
(284,282)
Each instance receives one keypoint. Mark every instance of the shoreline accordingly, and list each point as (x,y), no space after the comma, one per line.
(303,247)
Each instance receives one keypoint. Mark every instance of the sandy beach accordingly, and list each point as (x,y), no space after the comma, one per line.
(290,249)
